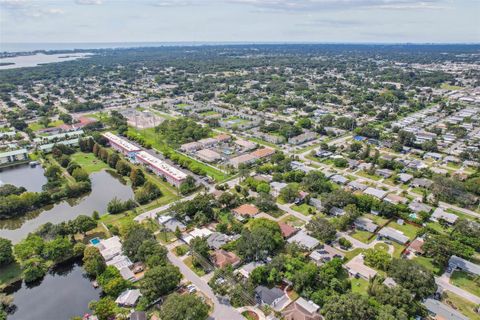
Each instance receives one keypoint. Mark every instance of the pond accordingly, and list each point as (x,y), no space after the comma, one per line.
(63,293)
(31,178)
(104,188)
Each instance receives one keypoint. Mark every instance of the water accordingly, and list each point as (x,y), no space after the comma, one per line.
(64,293)
(104,188)
(39,58)
(25,176)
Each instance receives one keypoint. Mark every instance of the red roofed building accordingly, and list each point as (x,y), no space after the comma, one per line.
(262,153)
(222,258)
(286,229)
(246,210)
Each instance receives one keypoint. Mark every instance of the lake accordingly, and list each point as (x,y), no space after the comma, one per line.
(63,293)
(38,59)
(24,176)
(104,188)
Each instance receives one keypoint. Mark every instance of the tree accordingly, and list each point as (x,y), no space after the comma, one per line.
(80,175)
(123,168)
(137,177)
(93,262)
(199,246)
(260,239)
(112,282)
(33,269)
(113,159)
(6,252)
(412,276)
(339,199)
(134,238)
(152,253)
(263,187)
(266,202)
(183,307)
(379,259)
(322,229)
(104,308)
(159,281)
(188,185)
(289,193)
(84,223)
(349,306)
(57,250)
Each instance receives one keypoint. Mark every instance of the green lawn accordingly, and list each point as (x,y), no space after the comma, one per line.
(363,236)
(368,176)
(89,162)
(303,209)
(427,263)
(465,281)
(293,221)
(353,253)
(398,248)
(462,305)
(188,262)
(263,142)
(9,273)
(447,86)
(462,215)
(381,246)
(35,126)
(409,230)
(377,219)
(359,285)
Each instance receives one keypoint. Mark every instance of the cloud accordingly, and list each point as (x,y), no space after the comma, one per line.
(29,9)
(88,2)
(172,3)
(318,5)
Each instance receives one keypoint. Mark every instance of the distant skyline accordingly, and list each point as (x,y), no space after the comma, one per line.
(352,21)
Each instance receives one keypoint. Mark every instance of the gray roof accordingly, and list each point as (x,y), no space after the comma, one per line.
(13,153)
(217,239)
(172,225)
(365,224)
(339,179)
(128,297)
(418,206)
(459,263)
(438,308)
(357,185)
(267,295)
(303,239)
(380,194)
(440,214)
(393,234)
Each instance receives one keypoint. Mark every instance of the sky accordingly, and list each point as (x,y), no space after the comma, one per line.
(379,21)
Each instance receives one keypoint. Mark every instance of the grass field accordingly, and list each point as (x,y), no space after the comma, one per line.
(363,236)
(427,263)
(265,143)
(462,305)
(368,176)
(462,215)
(350,254)
(377,219)
(188,262)
(381,246)
(9,273)
(89,162)
(293,221)
(303,209)
(35,126)
(465,281)
(447,86)
(359,285)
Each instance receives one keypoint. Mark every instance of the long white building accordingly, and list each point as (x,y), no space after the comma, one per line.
(161,168)
(122,145)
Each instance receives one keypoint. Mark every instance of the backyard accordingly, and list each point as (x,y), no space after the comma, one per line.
(465,281)
(409,230)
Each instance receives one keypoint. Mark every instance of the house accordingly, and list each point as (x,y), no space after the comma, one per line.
(127,274)
(405,177)
(386,173)
(243,159)
(356,268)
(357,186)
(317,203)
(389,282)
(394,235)
(339,179)
(286,229)
(421,183)
(128,298)
(196,233)
(245,210)
(419,207)
(365,224)
(432,155)
(248,268)
(301,138)
(335,211)
(301,309)
(395,199)
(13,156)
(304,240)
(222,258)
(109,248)
(377,193)
(441,311)
(162,168)
(438,214)
(138,315)
(246,145)
(120,261)
(416,246)
(170,223)
(324,254)
(208,155)
(217,240)
(464,265)
(191,146)
(276,187)
(274,297)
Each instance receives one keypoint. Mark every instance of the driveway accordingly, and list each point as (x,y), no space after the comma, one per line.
(222,310)
(444,282)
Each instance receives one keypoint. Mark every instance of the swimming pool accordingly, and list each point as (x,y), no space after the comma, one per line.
(95,241)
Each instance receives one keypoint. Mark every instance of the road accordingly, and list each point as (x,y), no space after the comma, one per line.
(222,310)
(444,282)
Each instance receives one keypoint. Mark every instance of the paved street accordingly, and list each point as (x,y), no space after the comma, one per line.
(444,282)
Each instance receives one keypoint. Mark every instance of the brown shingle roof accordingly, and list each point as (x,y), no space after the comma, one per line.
(224,258)
(264,152)
(286,229)
(246,210)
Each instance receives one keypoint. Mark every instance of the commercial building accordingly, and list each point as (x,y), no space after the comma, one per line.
(161,168)
(122,145)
